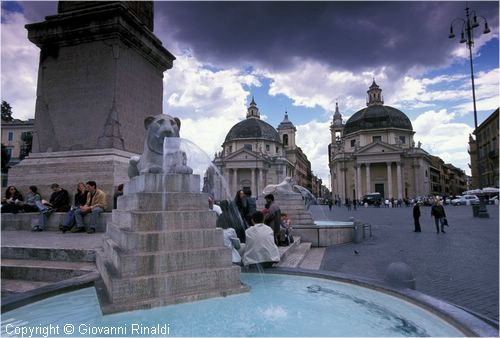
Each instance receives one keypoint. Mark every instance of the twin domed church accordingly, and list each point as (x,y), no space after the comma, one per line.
(255,154)
(373,151)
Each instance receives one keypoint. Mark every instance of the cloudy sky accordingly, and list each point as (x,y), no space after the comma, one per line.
(301,57)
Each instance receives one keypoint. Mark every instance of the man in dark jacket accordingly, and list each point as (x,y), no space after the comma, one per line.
(273,217)
(437,211)
(59,201)
(416,217)
(251,205)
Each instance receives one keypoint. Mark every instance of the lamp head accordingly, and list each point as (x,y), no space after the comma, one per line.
(474,22)
(462,38)
(451,35)
(486,28)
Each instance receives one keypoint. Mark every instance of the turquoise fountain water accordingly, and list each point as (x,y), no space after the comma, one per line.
(277,305)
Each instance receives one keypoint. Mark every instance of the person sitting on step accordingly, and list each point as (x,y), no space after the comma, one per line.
(11,201)
(59,201)
(30,205)
(260,247)
(95,205)
(79,200)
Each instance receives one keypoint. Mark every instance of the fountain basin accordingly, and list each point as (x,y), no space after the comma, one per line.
(278,305)
(326,233)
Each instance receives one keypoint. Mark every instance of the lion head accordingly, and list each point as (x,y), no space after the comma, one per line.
(158,128)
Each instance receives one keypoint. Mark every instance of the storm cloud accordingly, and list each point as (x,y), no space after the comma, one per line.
(353,36)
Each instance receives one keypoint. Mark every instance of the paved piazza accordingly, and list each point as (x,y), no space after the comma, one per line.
(460,267)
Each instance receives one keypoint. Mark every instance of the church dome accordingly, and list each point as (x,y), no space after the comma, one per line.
(377,117)
(252,128)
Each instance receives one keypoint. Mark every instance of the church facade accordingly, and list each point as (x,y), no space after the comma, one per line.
(374,151)
(255,154)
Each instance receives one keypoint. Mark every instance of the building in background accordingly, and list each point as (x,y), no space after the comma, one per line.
(17,136)
(488,153)
(374,151)
(255,154)
(446,179)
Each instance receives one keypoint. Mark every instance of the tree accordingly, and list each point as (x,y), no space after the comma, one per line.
(5,159)
(6,112)
(26,144)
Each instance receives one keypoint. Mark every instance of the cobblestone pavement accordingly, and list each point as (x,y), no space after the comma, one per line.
(460,266)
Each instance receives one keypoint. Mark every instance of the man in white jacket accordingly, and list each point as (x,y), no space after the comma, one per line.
(260,247)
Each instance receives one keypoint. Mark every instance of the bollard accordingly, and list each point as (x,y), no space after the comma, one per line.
(399,274)
(358,232)
(366,205)
(475,210)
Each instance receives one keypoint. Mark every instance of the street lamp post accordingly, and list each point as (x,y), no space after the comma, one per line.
(466,36)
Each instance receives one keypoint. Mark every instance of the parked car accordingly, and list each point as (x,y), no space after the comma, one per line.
(372,198)
(465,199)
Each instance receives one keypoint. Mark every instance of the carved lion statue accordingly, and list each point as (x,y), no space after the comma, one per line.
(284,187)
(158,128)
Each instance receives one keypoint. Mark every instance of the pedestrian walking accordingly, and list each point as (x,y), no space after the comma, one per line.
(437,211)
(416,217)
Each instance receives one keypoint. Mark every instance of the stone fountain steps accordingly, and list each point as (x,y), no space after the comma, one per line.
(295,256)
(136,263)
(162,247)
(161,240)
(48,254)
(139,220)
(171,286)
(154,201)
(24,221)
(31,260)
(108,308)
(44,271)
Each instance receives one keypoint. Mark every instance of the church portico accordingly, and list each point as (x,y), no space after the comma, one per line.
(376,144)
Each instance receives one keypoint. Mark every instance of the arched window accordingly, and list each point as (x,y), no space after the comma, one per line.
(285,140)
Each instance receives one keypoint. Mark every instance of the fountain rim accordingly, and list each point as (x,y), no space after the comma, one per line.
(463,319)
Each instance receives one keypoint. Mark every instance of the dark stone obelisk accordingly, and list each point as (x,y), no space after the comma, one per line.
(100,74)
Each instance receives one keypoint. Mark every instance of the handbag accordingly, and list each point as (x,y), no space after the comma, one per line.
(445,222)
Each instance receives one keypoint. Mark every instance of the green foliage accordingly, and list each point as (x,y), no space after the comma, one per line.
(6,112)
(5,159)
(26,144)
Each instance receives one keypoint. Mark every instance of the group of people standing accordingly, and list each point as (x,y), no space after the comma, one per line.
(437,211)
(253,235)
(88,199)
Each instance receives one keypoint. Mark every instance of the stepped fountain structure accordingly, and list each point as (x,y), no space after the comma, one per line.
(161,246)
(294,200)
(290,200)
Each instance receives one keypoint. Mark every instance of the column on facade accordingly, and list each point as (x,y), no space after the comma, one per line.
(359,190)
(389,179)
(235,181)
(340,182)
(368,180)
(400,181)
(261,182)
(254,179)
(416,181)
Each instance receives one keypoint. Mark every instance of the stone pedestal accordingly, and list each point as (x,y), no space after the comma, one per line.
(293,205)
(108,167)
(100,75)
(162,247)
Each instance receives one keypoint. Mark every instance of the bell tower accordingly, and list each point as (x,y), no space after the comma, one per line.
(286,131)
(337,127)
(374,95)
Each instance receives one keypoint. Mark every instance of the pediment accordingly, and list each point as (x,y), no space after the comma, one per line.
(377,148)
(242,155)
